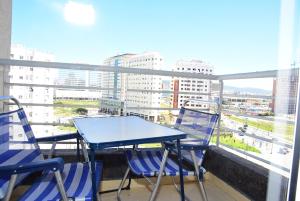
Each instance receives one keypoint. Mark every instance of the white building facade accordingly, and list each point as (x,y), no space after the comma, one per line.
(129,87)
(29,94)
(114,84)
(145,99)
(199,88)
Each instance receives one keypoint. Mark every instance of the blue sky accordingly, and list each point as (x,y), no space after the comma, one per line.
(234,36)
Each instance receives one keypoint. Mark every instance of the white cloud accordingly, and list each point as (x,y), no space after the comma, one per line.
(79,14)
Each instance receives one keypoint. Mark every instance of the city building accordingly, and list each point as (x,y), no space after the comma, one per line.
(129,87)
(289,85)
(114,83)
(197,89)
(144,98)
(30,94)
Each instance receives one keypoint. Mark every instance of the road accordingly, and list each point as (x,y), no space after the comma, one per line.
(271,152)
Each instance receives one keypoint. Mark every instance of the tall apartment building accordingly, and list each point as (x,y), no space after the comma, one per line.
(28,94)
(115,82)
(140,99)
(194,86)
(127,84)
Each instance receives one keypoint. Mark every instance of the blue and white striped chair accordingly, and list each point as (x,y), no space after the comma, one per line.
(20,156)
(200,127)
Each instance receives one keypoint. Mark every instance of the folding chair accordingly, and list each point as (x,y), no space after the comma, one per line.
(20,156)
(200,127)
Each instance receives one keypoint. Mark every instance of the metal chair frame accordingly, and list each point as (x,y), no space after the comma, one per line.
(54,165)
(168,148)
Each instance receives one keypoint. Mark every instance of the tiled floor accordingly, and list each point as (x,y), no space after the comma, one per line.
(216,189)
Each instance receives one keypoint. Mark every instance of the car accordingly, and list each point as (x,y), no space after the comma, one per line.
(242,129)
(283,150)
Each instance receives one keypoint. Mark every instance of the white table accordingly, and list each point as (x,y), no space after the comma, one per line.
(104,132)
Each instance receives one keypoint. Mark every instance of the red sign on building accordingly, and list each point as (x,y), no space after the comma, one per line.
(175,93)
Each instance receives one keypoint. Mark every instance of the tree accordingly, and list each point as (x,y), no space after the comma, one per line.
(81,111)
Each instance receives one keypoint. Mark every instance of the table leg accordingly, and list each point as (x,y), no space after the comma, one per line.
(94,188)
(77,150)
(161,171)
(180,171)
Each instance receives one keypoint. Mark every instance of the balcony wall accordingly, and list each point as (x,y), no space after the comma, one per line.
(243,175)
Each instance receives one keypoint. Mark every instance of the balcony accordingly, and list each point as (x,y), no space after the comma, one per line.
(240,162)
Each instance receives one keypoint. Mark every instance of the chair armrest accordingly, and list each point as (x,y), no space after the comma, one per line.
(194,147)
(49,164)
(187,145)
(59,137)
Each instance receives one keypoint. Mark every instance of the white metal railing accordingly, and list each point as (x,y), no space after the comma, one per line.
(86,67)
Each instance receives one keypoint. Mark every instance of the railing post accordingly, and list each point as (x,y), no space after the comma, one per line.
(5,40)
(293,181)
(116,79)
(221,83)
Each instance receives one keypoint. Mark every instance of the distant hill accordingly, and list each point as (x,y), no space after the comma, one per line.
(247,90)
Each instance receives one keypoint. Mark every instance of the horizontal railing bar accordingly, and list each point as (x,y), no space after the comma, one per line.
(50,124)
(248,96)
(151,108)
(250,75)
(257,117)
(73,66)
(64,142)
(257,74)
(272,139)
(55,105)
(98,88)
(56,86)
(104,68)
(166,91)
(269,140)
(258,96)
(257,158)
(230,112)
(87,106)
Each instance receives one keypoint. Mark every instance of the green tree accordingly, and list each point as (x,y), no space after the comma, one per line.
(81,111)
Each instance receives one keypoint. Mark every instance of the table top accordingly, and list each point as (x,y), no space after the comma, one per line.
(103,132)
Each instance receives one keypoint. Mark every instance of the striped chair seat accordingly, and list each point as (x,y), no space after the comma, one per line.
(15,156)
(77,183)
(147,163)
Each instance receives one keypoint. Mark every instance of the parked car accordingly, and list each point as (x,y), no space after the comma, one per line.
(283,150)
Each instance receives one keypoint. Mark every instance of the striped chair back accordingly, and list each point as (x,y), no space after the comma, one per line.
(199,125)
(17,144)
